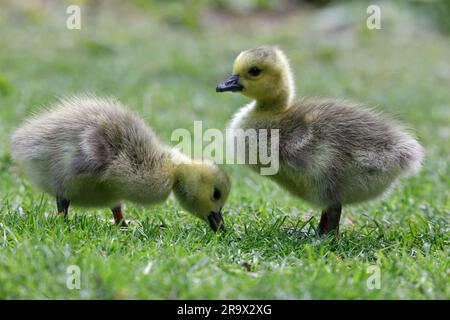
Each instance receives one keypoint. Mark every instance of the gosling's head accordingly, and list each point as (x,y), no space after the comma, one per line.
(263,74)
(202,189)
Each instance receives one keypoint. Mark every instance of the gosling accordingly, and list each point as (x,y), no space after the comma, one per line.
(93,152)
(331,153)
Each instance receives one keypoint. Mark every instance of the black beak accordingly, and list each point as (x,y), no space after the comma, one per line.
(231,84)
(216,221)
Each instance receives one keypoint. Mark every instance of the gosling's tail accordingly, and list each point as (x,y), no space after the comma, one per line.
(410,155)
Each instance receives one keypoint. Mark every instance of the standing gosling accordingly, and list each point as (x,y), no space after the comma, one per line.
(93,152)
(331,153)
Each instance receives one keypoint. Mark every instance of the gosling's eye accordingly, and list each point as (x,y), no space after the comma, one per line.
(254,71)
(217,194)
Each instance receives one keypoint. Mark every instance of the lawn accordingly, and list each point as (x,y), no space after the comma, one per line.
(167,71)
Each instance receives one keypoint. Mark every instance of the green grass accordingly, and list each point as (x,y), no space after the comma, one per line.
(168,74)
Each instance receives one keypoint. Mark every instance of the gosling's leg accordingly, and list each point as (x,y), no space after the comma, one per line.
(118,216)
(329,221)
(63,206)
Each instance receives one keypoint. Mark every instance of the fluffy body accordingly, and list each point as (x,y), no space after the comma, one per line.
(333,151)
(85,148)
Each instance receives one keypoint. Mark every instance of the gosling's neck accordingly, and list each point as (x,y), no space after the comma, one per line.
(151,183)
(176,159)
(175,164)
(277,103)
(277,100)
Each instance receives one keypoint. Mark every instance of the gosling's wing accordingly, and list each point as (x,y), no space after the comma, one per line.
(340,136)
(298,135)
(295,146)
(319,136)
(95,153)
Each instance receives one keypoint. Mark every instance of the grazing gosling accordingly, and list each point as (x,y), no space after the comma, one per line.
(331,153)
(93,152)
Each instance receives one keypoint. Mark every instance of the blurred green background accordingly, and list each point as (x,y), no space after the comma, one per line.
(164,59)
